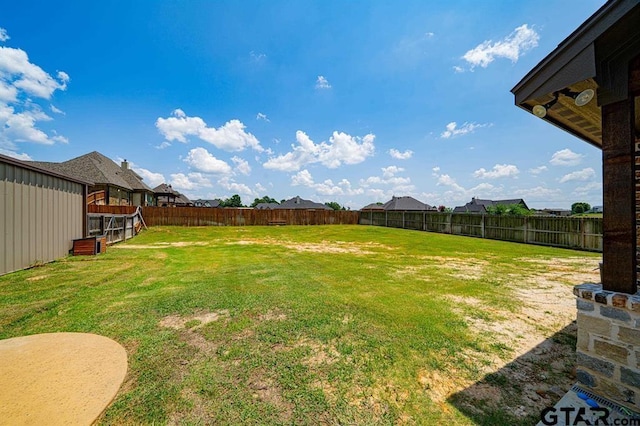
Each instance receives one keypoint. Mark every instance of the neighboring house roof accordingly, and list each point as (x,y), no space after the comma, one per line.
(36,167)
(406,203)
(133,179)
(373,206)
(266,206)
(299,203)
(164,189)
(207,203)
(97,168)
(476,205)
(183,200)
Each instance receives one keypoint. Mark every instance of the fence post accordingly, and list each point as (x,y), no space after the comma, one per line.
(386,220)
(482,226)
(582,233)
(403,220)
(526,229)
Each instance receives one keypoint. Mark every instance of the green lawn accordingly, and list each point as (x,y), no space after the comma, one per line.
(282,325)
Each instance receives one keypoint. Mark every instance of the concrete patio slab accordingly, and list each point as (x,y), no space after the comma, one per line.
(58,378)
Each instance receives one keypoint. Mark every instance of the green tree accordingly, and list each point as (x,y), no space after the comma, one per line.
(334,205)
(265,199)
(508,210)
(233,201)
(580,207)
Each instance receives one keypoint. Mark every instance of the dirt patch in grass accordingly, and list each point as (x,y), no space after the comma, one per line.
(160,245)
(266,390)
(273,315)
(322,247)
(37,278)
(467,269)
(321,353)
(538,366)
(193,322)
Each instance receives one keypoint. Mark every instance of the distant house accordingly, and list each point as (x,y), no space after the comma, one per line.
(166,196)
(476,205)
(554,212)
(266,206)
(373,207)
(302,204)
(596,209)
(207,203)
(111,184)
(183,201)
(405,203)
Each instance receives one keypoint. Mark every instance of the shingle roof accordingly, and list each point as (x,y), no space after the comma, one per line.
(207,203)
(135,180)
(299,203)
(406,203)
(266,206)
(476,205)
(164,189)
(97,168)
(182,199)
(373,206)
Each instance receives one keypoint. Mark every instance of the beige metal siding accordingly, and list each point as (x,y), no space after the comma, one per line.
(40,215)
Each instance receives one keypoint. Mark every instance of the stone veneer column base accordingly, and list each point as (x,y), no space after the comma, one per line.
(608,348)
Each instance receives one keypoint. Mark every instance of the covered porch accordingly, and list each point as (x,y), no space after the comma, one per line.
(589,86)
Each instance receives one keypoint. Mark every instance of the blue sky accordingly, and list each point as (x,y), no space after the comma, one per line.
(347,101)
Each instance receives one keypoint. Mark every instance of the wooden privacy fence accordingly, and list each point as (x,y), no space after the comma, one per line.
(199,216)
(584,233)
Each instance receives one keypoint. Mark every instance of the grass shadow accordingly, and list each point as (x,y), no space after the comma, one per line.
(519,391)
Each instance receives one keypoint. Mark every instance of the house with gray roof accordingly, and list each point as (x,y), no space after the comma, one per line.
(405,203)
(207,203)
(302,204)
(111,184)
(476,205)
(266,206)
(373,207)
(166,196)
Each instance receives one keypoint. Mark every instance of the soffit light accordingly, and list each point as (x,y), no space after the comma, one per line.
(579,98)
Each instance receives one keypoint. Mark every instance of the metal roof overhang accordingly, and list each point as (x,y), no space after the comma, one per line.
(594,56)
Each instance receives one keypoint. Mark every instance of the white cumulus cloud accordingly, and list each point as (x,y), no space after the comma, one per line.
(498,171)
(3,35)
(229,137)
(152,179)
(538,170)
(322,83)
(241,165)
(400,155)
(579,175)
(452,130)
(22,84)
(327,187)
(235,187)
(202,160)
(511,47)
(566,157)
(341,149)
(263,117)
(190,181)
